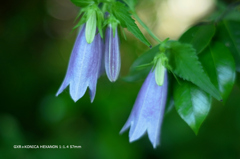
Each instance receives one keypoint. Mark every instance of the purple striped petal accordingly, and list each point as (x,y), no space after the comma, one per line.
(84,67)
(112,54)
(148,111)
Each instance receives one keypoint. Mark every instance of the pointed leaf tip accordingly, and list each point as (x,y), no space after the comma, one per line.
(192,104)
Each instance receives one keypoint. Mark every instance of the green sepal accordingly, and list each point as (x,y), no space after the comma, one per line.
(81,21)
(100,19)
(112,22)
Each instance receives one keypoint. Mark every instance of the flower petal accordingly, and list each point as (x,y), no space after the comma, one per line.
(148,111)
(112,54)
(84,66)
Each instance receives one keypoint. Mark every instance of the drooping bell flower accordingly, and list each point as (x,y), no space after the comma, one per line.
(84,66)
(148,111)
(112,53)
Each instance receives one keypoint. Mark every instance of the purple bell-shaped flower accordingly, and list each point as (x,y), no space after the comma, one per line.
(84,66)
(148,111)
(112,54)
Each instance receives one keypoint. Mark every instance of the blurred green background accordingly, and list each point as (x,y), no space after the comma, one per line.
(35,45)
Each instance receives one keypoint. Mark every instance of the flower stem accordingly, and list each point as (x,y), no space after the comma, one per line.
(145,27)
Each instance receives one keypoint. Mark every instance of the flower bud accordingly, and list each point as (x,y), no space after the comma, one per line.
(159,72)
(112,54)
(91,27)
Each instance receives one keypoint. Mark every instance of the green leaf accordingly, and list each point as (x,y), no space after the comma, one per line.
(192,104)
(199,36)
(228,32)
(120,11)
(184,63)
(141,73)
(82,3)
(219,64)
(234,14)
(230,12)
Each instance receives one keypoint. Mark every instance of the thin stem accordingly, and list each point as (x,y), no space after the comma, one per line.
(146,28)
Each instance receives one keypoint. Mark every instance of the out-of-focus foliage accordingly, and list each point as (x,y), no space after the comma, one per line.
(228,32)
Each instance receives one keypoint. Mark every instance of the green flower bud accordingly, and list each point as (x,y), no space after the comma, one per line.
(159,72)
(160,64)
(91,26)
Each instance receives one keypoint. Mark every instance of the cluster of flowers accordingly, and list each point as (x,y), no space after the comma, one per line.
(89,60)
(87,63)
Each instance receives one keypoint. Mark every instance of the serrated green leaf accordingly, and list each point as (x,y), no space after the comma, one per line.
(191,103)
(120,11)
(185,64)
(219,64)
(228,32)
(136,73)
(82,3)
(199,36)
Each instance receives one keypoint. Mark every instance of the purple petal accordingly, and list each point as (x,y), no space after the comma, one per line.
(84,66)
(148,111)
(112,54)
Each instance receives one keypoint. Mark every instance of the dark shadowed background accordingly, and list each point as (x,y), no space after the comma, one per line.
(35,45)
